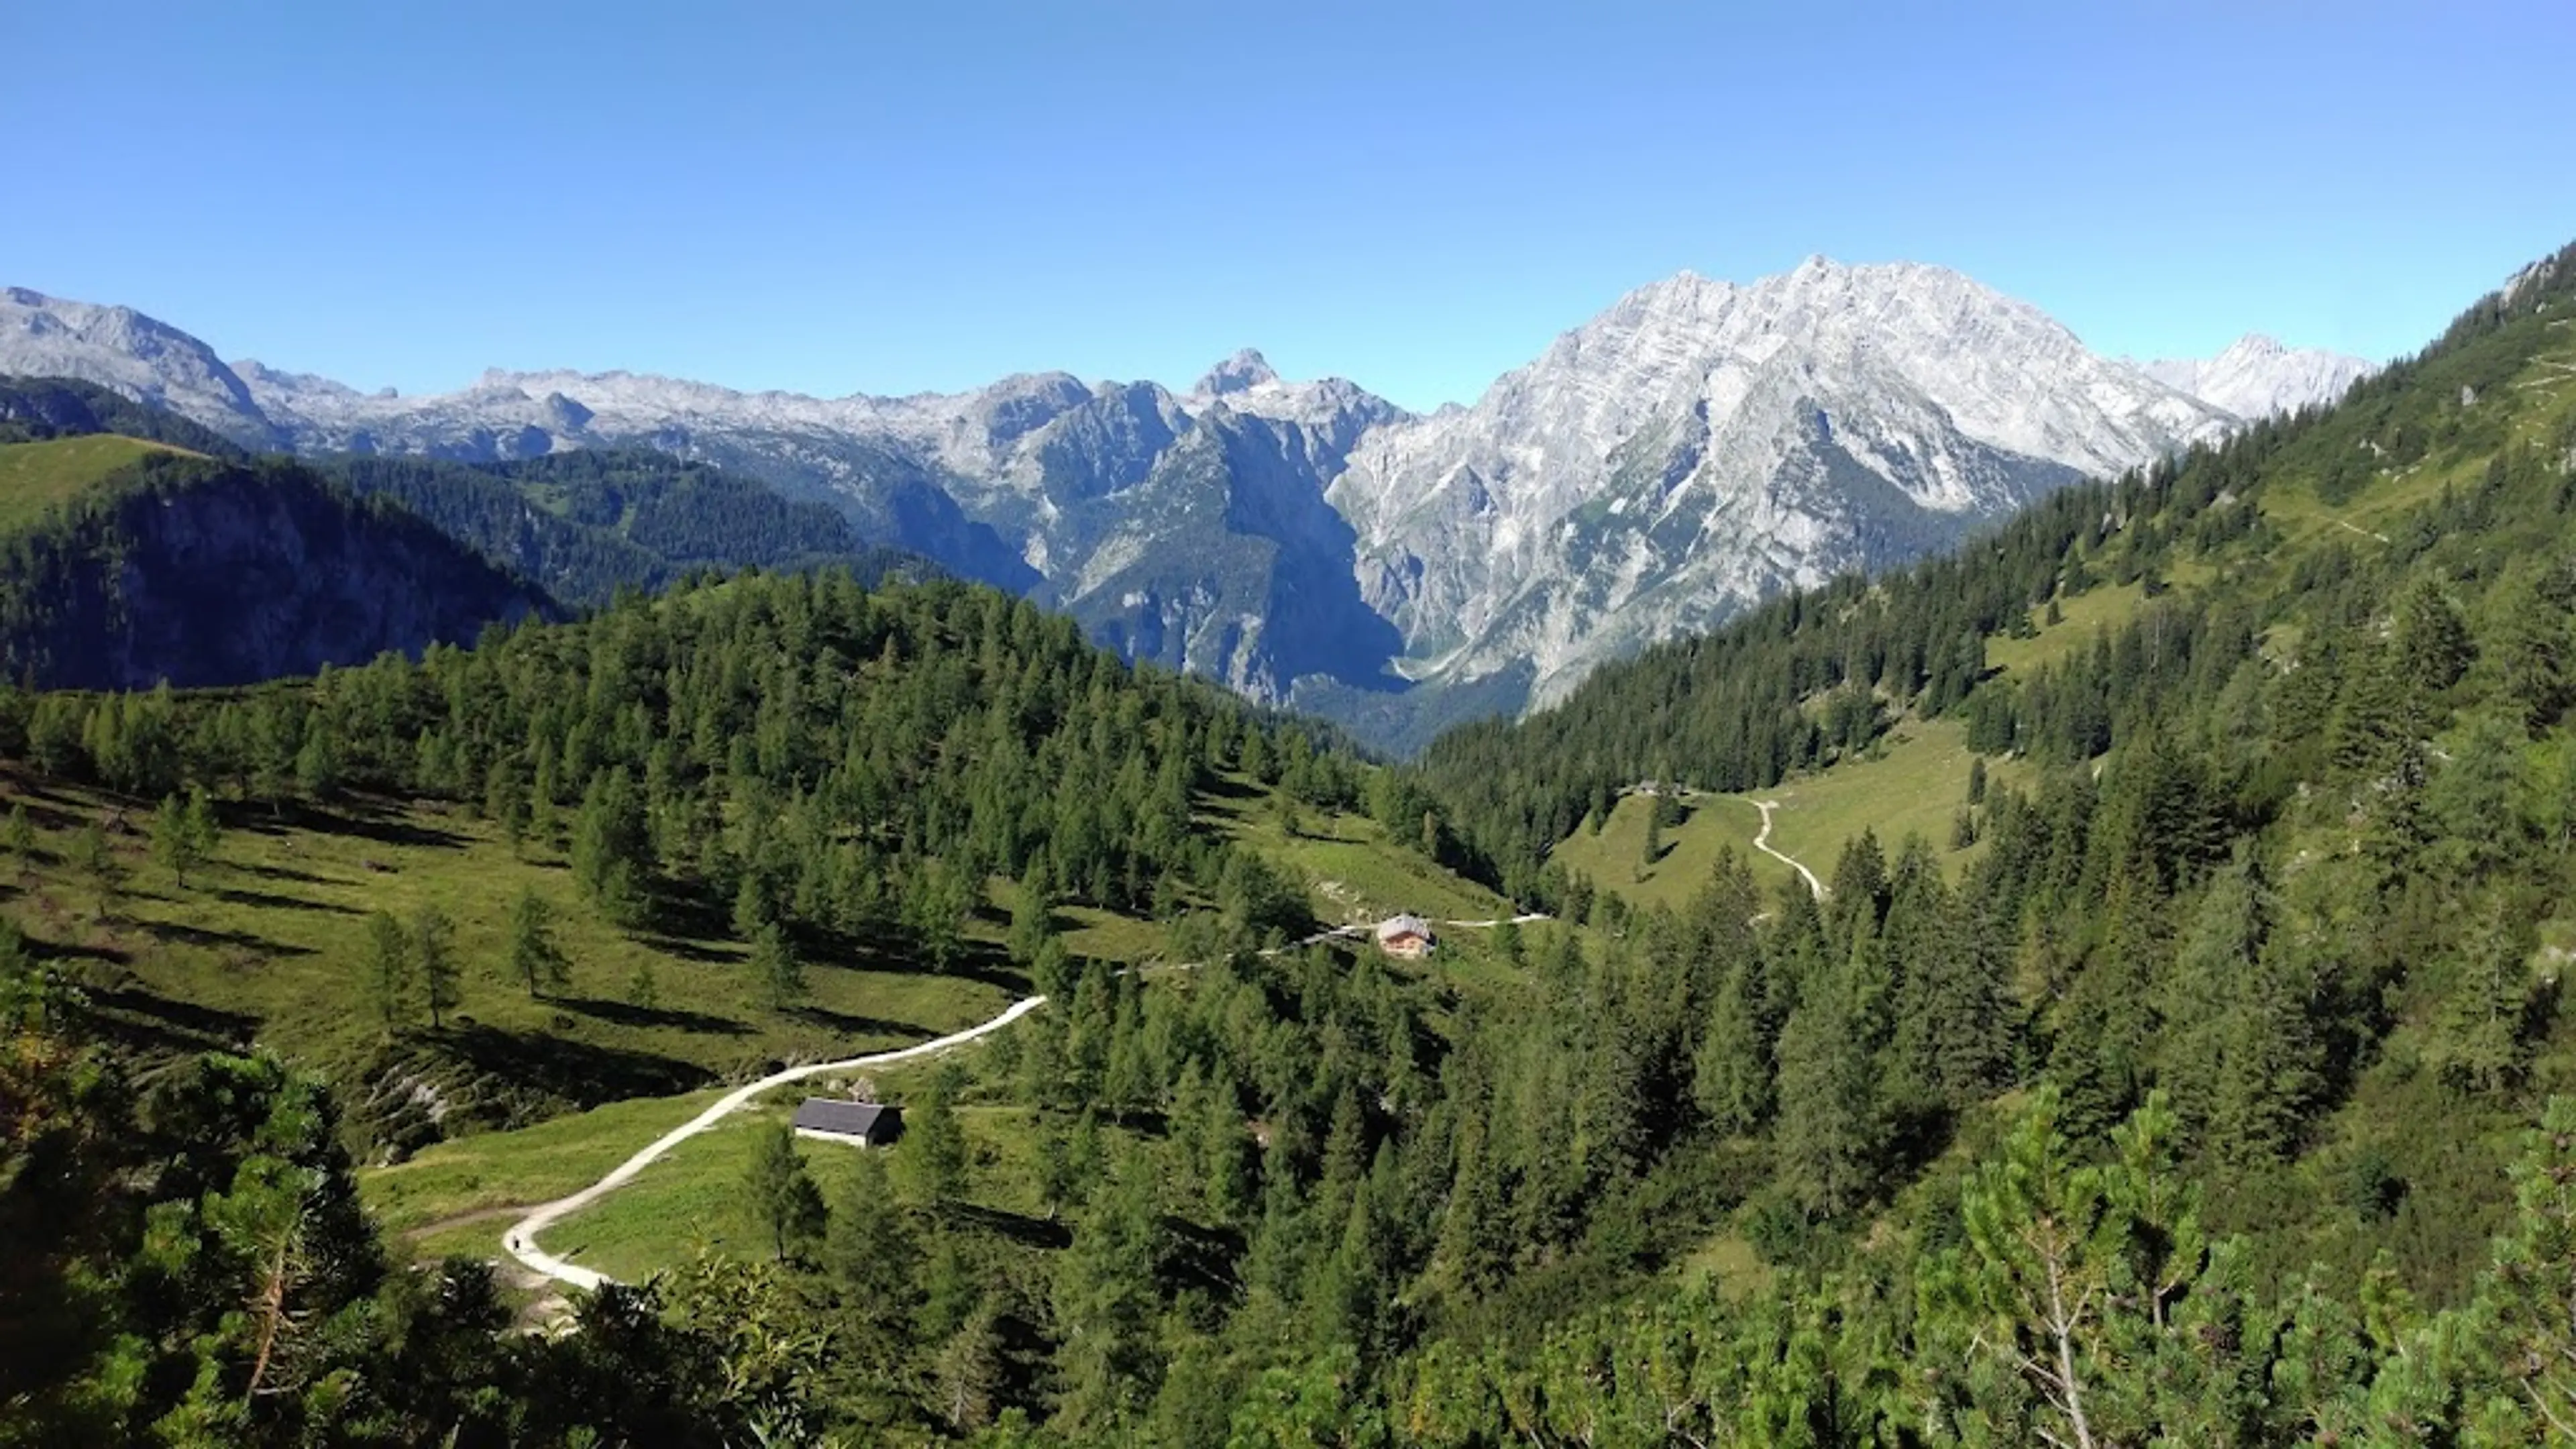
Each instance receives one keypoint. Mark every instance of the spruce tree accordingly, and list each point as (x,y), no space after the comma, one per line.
(971,1370)
(2480,1031)
(433,950)
(783,1198)
(18,838)
(174,846)
(534,953)
(1829,1133)
(1106,1303)
(205,831)
(774,965)
(932,1154)
(96,860)
(1732,1080)
(2433,645)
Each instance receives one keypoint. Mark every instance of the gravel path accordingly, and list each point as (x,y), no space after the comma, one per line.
(1762,842)
(521,1239)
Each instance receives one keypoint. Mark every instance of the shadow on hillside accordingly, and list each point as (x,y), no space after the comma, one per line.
(624,1014)
(172,931)
(1018,1227)
(688,950)
(78,951)
(138,1018)
(286,873)
(1226,787)
(572,1071)
(849,1025)
(266,901)
(357,819)
(1200,1257)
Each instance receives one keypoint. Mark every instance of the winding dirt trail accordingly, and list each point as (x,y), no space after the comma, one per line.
(521,1239)
(1762,842)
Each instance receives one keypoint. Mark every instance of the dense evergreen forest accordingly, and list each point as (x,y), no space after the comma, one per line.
(585,524)
(212,571)
(33,409)
(2198,1092)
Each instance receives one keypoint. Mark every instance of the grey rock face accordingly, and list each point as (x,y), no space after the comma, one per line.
(2257,377)
(1698,445)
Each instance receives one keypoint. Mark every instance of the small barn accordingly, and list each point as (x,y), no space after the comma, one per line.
(1406,936)
(859,1124)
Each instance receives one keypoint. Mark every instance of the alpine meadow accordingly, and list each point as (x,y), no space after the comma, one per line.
(1825,864)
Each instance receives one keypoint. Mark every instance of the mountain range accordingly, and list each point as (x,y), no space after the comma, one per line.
(1694,448)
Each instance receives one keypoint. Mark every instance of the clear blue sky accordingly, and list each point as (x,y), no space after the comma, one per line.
(893,196)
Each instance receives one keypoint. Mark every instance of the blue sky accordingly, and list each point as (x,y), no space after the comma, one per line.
(897,197)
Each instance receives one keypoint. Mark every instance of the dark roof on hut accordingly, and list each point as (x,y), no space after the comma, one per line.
(830,1114)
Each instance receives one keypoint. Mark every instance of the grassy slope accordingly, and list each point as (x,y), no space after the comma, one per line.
(1913,783)
(1353,869)
(36,476)
(692,1200)
(270,944)
(480,1176)
(1615,857)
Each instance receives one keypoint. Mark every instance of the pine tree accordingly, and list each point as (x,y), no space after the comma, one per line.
(1106,1303)
(505,802)
(774,965)
(205,831)
(2480,1032)
(389,974)
(317,764)
(433,951)
(642,992)
(18,838)
(2525,1331)
(970,1369)
(1828,1133)
(1732,1083)
(1057,1178)
(783,1197)
(1032,920)
(174,846)
(95,859)
(2433,646)
(609,846)
(753,911)
(534,953)
(875,1260)
(933,1152)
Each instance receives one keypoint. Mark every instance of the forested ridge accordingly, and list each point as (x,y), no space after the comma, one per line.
(2199,1090)
(587,523)
(37,408)
(219,570)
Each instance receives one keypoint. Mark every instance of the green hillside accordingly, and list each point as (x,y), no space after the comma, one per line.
(267,941)
(585,524)
(37,477)
(2176,1054)
(133,564)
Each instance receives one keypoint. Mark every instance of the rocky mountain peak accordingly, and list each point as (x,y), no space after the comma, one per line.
(1242,372)
(2257,376)
(1698,444)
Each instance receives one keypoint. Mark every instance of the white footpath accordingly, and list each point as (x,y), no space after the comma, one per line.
(521,1239)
